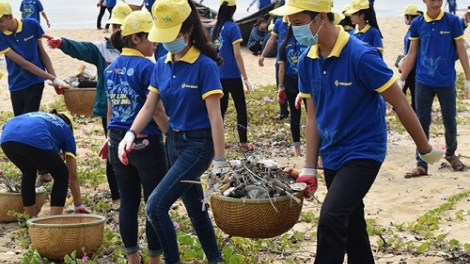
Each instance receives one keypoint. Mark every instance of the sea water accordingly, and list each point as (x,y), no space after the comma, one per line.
(74,14)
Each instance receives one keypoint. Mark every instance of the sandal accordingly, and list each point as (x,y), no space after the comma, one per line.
(247,147)
(457,165)
(416,172)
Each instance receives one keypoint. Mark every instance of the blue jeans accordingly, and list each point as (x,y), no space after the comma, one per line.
(146,168)
(190,153)
(424,97)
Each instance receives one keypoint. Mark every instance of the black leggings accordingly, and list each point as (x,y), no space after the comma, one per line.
(110,10)
(27,100)
(235,88)
(28,159)
(110,176)
(100,16)
(291,86)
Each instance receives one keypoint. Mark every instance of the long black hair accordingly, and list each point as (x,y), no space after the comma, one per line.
(225,14)
(370,18)
(119,42)
(199,37)
(346,22)
(282,49)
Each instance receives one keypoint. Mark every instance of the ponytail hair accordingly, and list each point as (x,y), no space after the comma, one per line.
(282,49)
(119,42)
(225,14)
(199,36)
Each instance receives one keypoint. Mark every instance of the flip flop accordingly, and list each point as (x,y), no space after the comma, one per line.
(416,172)
(457,165)
(247,147)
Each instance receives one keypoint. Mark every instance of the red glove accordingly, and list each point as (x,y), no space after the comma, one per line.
(309,176)
(58,90)
(281,95)
(53,42)
(104,150)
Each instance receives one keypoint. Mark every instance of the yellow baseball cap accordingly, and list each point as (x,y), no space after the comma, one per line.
(338,16)
(5,8)
(346,8)
(358,5)
(296,6)
(411,10)
(168,16)
(68,115)
(137,21)
(229,2)
(120,11)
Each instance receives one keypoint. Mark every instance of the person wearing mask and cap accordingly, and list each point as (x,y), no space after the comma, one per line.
(362,14)
(187,82)
(101,54)
(34,140)
(436,42)
(28,64)
(345,82)
(127,82)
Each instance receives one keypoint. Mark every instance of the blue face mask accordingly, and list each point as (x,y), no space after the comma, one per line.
(176,46)
(304,36)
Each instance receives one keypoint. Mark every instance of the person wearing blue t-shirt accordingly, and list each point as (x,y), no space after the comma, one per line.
(127,82)
(227,37)
(452,6)
(148,4)
(363,16)
(32,9)
(436,41)
(411,12)
(102,6)
(345,83)
(288,88)
(261,4)
(34,141)
(110,4)
(257,36)
(277,36)
(28,64)
(187,82)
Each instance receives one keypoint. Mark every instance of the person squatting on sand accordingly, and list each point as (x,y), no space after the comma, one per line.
(34,140)
(345,82)
(101,54)
(28,64)
(227,37)
(436,41)
(187,83)
(127,81)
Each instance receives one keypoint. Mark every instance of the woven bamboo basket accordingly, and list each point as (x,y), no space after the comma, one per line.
(14,202)
(57,235)
(136,7)
(255,218)
(80,101)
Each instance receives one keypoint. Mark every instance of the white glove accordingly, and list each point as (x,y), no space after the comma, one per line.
(59,83)
(401,84)
(219,166)
(466,84)
(248,85)
(125,146)
(433,156)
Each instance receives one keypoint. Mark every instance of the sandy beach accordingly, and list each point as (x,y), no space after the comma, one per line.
(392,199)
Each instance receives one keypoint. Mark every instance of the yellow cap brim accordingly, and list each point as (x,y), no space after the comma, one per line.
(164,35)
(116,21)
(286,11)
(351,11)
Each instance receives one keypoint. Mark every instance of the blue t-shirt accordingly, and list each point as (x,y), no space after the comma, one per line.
(184,85)
(148,4)
(293,51)
(31,9)
(280,30)
(407,41)
(345,88)
(452,5)
(40,130)
(110,3)
(229,34)
(24,42)
(435,63)
(127,81)
(371,36)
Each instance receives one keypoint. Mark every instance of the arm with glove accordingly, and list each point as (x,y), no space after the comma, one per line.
(308,175)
